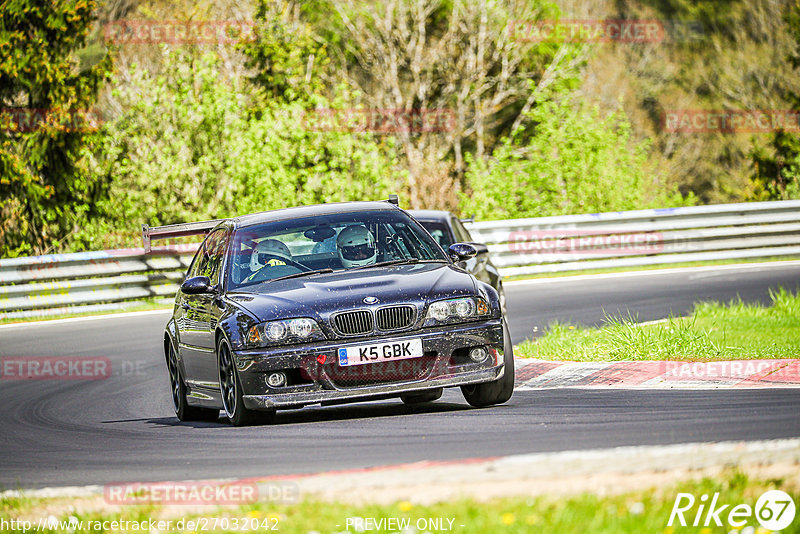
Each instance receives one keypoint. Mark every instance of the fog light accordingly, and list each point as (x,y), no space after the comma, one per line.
(276,380)
(478,354)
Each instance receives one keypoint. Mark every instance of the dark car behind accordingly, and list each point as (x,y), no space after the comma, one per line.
(447,229)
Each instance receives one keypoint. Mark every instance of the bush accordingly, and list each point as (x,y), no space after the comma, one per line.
(190,146)
(573,161)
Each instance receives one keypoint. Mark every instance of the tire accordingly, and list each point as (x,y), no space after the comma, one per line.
(498,391)
(502,295)
(183,411)
(422,396)
(230,388)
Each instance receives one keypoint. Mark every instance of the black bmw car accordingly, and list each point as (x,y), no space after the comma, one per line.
(328,304)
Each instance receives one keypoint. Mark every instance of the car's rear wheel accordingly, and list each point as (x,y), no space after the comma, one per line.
(422,396)
(231,390)
(498,391)
(183,411)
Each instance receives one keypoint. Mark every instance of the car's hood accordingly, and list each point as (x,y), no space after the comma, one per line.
(319,295)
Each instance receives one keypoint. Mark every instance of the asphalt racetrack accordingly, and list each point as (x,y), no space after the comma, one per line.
(62,433)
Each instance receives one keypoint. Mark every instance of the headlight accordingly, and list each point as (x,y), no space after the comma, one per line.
(302,328)
(457,310)
(275,331)
(285,332)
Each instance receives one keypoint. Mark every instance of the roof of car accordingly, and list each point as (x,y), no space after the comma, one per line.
(430,215)
(309,211)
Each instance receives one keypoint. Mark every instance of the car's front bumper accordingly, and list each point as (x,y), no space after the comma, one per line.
(443,365)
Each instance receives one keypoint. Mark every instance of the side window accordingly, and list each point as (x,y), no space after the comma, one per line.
(208,260)
(212,256)
(197,262)
(462,235)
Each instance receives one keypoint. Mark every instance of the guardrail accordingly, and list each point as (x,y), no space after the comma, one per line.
(111,279)
(644,237)
(89,281)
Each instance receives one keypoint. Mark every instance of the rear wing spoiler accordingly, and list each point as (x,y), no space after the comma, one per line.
(194,228)
(175,230)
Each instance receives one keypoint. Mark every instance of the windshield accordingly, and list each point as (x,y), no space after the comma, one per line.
(439,232)
(335,242)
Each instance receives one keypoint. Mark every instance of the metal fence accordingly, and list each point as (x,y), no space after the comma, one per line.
(644,237)
(89,281)
(92,281)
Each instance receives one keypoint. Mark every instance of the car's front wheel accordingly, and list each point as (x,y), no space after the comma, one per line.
(231,390)
(502,295)
(498,391)
(422,396)
(183,411)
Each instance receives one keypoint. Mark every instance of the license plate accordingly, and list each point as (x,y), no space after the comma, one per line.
(381,352)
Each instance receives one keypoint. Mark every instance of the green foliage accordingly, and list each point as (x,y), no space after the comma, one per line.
(196,138)
(43,188)
(188,148)
(776,167)
(286,57)
(624,503)
(575,161)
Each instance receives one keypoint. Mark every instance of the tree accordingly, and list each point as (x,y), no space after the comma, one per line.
(453,71)
(44,121)
(192,145)
(776,167)
(574,160)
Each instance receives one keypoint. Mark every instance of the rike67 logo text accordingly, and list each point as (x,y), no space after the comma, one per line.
(774,510)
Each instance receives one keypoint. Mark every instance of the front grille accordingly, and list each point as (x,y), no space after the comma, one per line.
(353,322)
(377,373)
(396,317)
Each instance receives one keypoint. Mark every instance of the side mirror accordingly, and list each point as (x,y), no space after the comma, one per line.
(480,248)
(196,285)
(462,251)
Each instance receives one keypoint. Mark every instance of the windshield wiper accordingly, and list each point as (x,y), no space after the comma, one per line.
(298,275)
(407,261)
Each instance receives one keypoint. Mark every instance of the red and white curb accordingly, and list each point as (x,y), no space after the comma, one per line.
(539,374)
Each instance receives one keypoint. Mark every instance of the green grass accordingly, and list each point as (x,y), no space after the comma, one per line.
(144,305)
(635,512)
(650,267)
(714,331)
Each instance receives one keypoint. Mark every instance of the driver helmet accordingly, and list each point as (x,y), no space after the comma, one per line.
(355,246)
(266,248)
